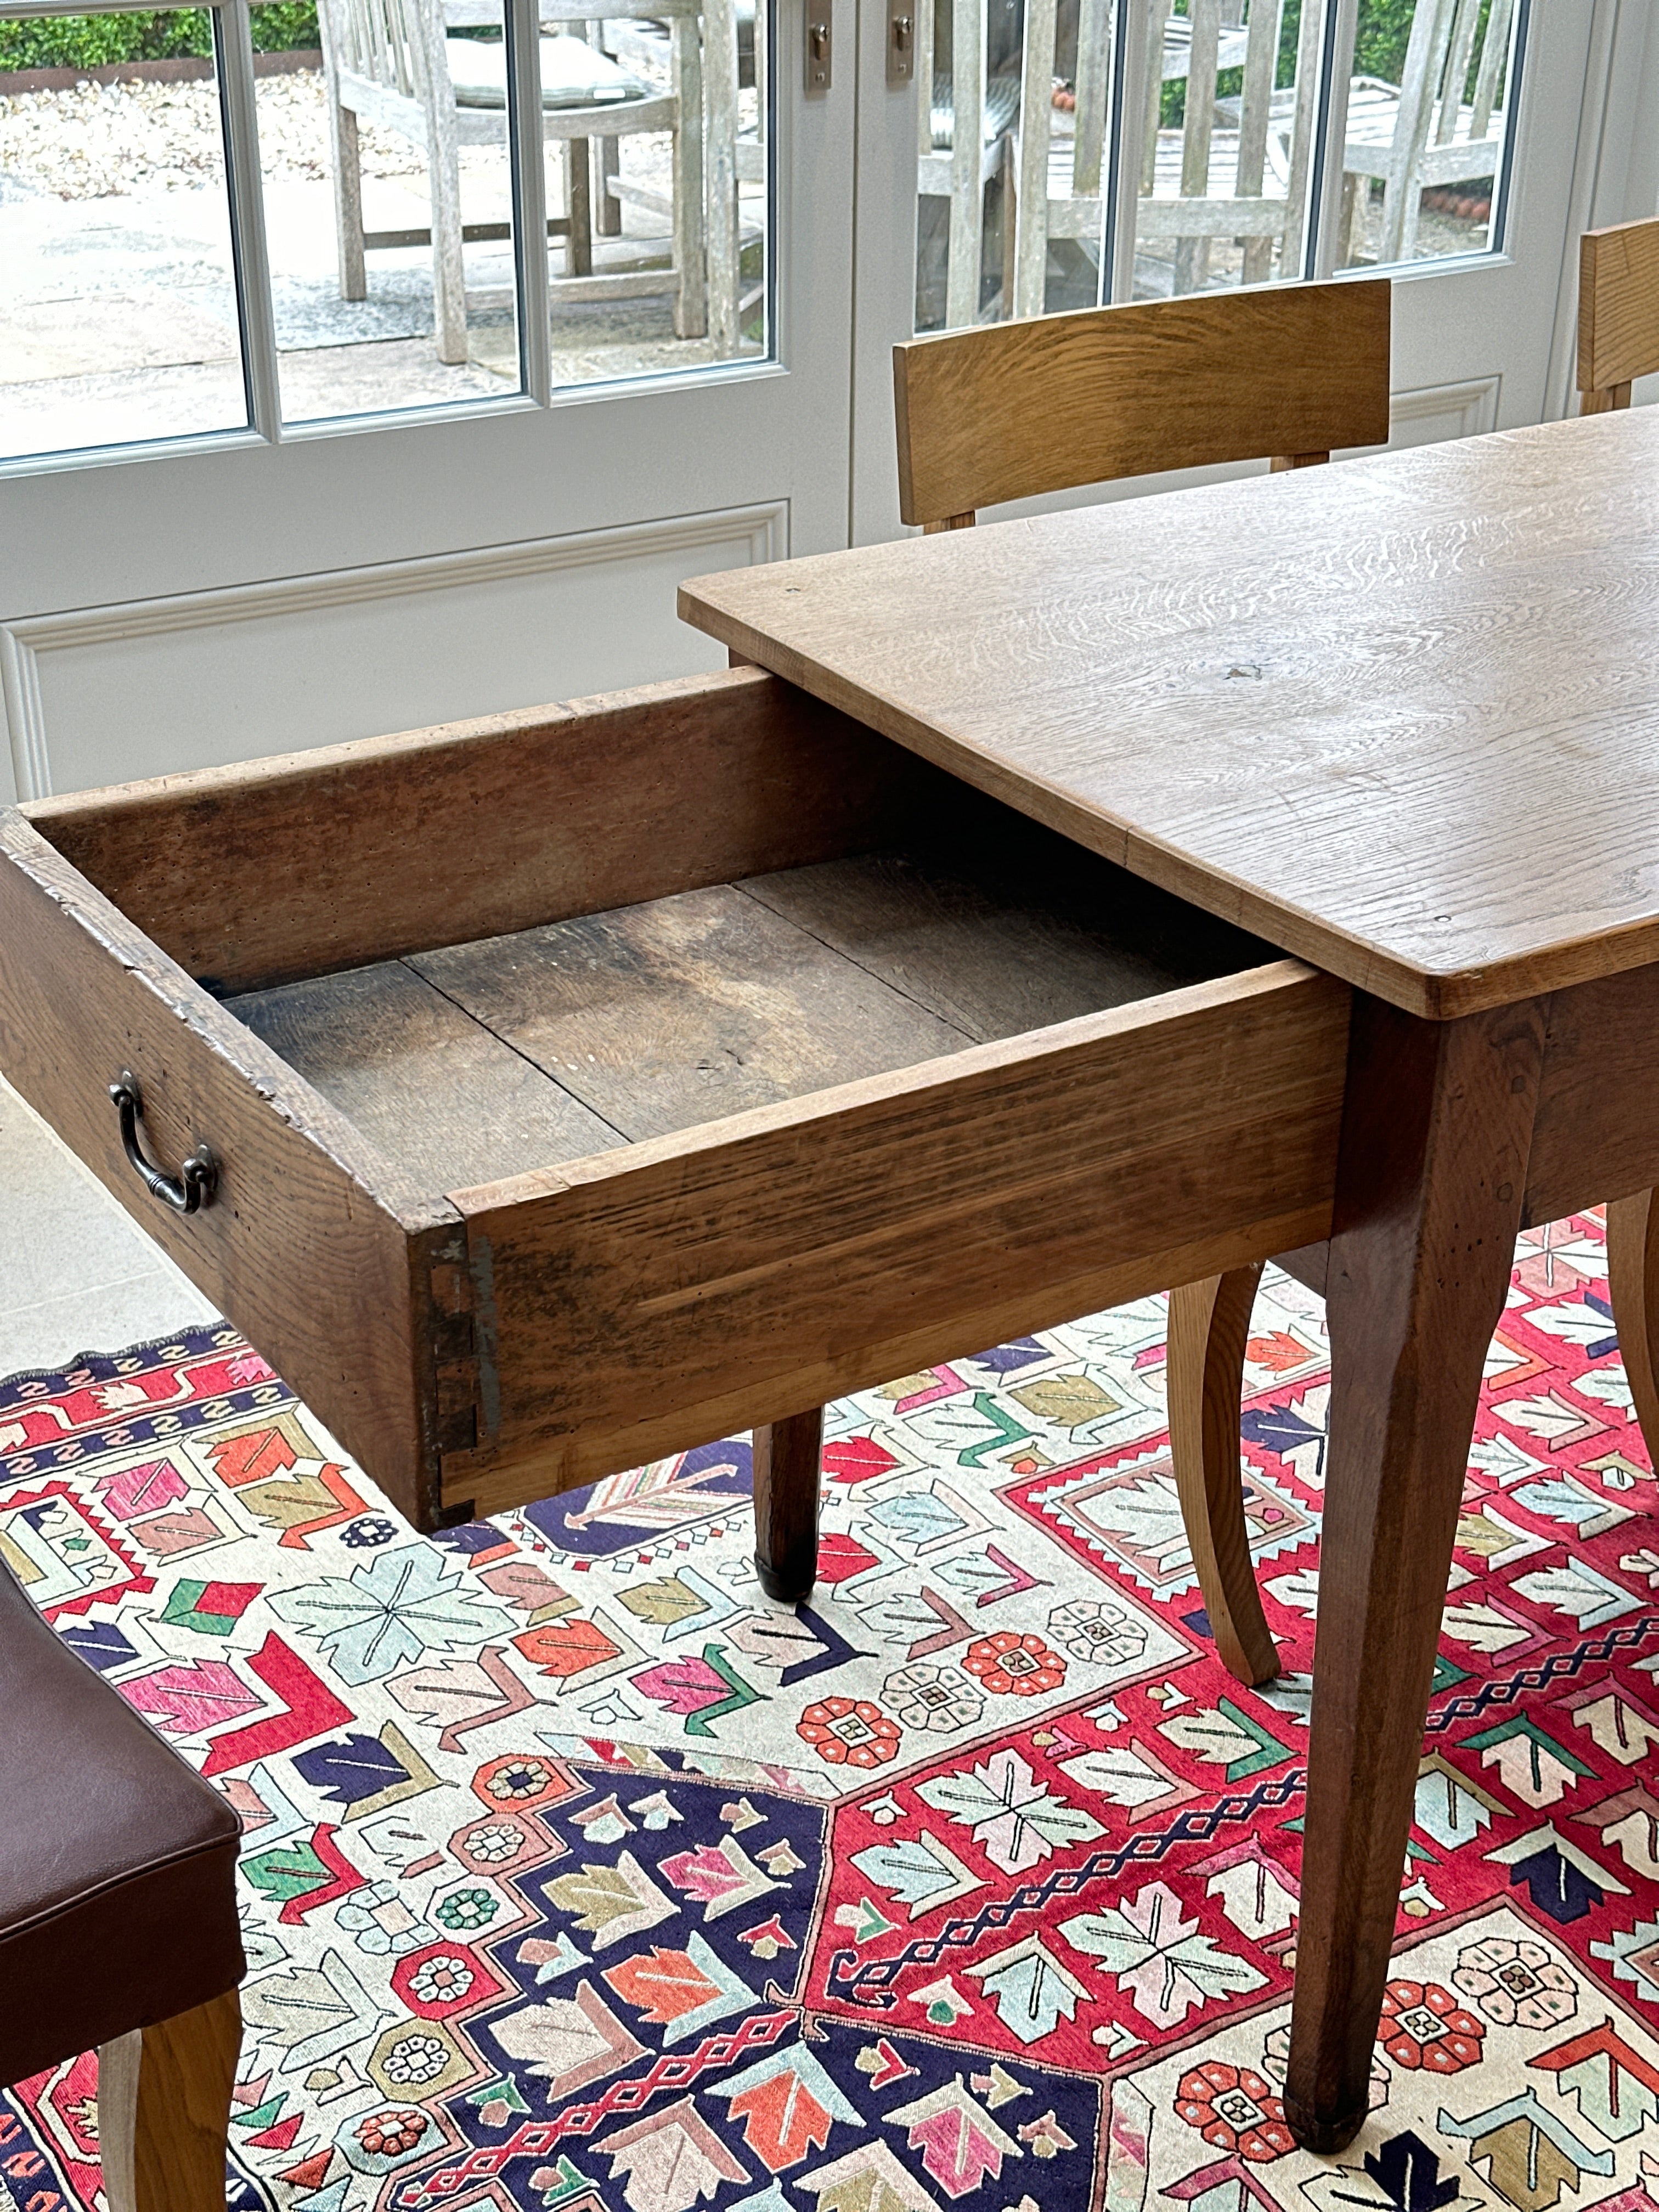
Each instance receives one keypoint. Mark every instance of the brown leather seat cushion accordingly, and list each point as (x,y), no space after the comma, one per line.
(117,1863)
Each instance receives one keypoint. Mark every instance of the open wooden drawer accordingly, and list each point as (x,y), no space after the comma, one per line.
(587,1082)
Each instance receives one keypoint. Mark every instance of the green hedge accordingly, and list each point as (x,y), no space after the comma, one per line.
(88,41)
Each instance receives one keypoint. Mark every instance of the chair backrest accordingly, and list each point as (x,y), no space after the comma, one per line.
(1012,410)
(1618,312)
(395,44)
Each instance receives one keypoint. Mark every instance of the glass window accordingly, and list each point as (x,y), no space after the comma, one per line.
(118,292)
(1429,104)
(390,159)
(1201,122)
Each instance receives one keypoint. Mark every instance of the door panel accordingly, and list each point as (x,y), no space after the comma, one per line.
(559,532)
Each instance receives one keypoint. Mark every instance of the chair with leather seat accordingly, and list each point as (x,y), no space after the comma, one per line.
(117,1919)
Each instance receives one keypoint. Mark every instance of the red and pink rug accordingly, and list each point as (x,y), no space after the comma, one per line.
(578,1876)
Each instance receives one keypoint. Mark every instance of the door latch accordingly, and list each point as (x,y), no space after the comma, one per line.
(901,43)
(819,44)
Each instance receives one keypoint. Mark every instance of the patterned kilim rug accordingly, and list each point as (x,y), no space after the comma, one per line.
(577,1876)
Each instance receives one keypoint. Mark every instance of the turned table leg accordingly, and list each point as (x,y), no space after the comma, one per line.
(787,1458)
(164,2109)
(1209,1325)
(1432,1167)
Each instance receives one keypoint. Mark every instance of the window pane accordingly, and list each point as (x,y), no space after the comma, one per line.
(969,238)
(1222,113)
(1227,128)
(373,312)
(633,202)
(118,301)
(678,272)
(1429,102)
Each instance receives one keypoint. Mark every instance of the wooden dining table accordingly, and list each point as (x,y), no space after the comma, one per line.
(1399,718)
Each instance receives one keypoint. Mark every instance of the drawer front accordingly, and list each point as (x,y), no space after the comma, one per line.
(301,1245)
(648,1301)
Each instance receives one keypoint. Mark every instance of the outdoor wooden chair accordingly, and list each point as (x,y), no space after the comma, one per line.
(392,62)
(1016,410)
(1224,174)
(1422,131)
(118,1920)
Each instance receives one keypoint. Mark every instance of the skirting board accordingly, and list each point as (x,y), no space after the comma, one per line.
(101,695)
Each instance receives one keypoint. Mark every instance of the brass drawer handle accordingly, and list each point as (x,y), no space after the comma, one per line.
(197,1175)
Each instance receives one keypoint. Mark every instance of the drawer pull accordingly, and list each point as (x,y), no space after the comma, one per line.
(197,1175)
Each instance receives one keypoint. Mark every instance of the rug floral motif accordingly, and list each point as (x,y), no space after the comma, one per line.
(578,1876)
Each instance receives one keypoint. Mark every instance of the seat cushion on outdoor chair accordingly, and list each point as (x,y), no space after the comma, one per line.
(117,1863)
(574,73)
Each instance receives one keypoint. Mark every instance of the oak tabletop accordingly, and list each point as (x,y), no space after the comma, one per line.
(1400,715)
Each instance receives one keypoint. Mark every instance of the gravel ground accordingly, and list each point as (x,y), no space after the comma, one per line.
(94,140)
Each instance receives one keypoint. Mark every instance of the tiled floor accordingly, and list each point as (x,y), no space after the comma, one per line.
(75,1274)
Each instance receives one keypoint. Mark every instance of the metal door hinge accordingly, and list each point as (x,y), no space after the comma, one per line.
(820,39)
(901,44)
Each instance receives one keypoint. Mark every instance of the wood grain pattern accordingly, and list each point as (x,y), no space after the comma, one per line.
(665,1016)
(788,1458)
(164,2110)
(806,1250)
(341,1313)
(1400,717)
(1618,308)
(1596,1133)
(1009,410)
(427,1084)
(1209,1324)
(1036,933)
(277,870)
(1432,1164)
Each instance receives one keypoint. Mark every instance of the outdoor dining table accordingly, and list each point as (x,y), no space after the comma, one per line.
(1399,718)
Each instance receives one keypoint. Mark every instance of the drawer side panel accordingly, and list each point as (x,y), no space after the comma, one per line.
(310,1246)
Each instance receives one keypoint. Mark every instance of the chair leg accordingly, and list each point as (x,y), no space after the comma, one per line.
(1209,1323)
(579,198)
(787,1459)
(1633,1280)
(164,2110)
(347,203)
(608,214)
(448,259)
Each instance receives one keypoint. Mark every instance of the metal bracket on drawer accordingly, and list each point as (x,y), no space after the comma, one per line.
(820,45)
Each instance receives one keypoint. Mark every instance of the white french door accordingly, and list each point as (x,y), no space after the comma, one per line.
(208,598)
(1484,306)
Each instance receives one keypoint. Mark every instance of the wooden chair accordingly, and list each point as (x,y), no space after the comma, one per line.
(118,1920)
(1618,312)
(1013,409)
(390,63)
(1020,408)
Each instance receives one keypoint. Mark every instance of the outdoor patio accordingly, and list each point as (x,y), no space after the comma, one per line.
(117,305)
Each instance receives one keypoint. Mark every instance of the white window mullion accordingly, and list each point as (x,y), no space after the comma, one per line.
(232,46)
(1336,54)
(1126,140)
(524,62)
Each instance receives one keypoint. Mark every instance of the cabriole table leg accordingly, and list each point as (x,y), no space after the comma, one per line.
(1431,1169)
